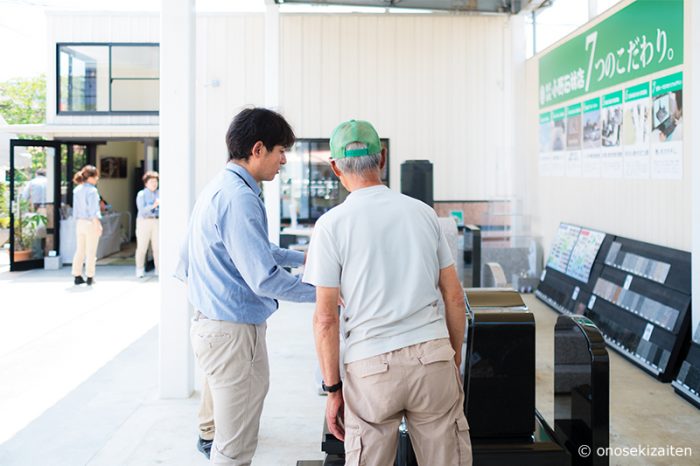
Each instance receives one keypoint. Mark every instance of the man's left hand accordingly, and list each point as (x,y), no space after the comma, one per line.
(335,414)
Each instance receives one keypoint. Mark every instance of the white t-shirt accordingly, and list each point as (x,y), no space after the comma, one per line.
(384,251)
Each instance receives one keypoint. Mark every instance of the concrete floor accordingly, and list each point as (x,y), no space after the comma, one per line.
(79,373)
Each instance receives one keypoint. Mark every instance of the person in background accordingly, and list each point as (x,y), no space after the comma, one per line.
(35,190)
(147,202)
(88,227)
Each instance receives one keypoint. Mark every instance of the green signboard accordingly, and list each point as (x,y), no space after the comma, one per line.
(673,82)
(614,98)
(559,114)
(643,38)
(640,91)
(591,105)
(573,110)
(545,118)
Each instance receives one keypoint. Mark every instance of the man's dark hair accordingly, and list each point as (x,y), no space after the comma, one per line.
(253,125)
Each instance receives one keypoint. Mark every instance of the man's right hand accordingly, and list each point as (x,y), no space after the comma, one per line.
(335,414)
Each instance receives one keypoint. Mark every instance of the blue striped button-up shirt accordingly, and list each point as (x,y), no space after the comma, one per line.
(233,272)
(86,202)
(144,203)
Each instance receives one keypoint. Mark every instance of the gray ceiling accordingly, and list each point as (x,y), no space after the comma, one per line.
(476,6)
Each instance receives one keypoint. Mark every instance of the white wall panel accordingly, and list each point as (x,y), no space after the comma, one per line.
(229,77)
(433,84)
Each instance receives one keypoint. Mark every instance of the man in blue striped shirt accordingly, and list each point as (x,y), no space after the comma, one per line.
(235,277)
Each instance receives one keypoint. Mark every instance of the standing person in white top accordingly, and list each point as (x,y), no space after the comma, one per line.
(147,230)
(35,190)
(88,226)
(383,254)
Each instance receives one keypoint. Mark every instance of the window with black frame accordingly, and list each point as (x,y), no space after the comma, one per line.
(308,186)
(108,78)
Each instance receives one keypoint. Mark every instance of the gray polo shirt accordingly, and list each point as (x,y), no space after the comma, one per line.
(384,251)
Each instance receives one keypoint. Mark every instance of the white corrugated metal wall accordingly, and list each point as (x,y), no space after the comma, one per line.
(435,85)
(230,75)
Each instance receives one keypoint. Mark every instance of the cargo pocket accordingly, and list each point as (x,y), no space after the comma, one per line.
(441,352)
(353,450)
(372,369)
(367,367)
(463,442)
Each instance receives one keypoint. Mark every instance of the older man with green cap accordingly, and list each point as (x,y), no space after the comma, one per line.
(384,256)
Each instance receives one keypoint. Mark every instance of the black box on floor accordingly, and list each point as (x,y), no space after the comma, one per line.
(502,371)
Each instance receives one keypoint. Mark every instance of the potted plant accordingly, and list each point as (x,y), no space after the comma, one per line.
(4,214)
(27,226)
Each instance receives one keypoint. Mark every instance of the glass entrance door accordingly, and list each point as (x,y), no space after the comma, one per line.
(34,202)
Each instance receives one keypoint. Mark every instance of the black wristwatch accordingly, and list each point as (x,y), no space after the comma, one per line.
(332,388)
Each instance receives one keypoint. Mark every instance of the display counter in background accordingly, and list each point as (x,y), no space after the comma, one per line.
(110,241)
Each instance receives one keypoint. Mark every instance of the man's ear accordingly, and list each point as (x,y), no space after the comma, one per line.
(336,172)
(257,149)
(382,160)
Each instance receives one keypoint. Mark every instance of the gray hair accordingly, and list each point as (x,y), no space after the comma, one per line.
(358,165)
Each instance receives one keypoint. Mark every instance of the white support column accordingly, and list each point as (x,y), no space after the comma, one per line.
(272,92)
(691,88)
(177,64)
(516,109)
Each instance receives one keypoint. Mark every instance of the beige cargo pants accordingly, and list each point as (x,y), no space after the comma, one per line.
(206,413)
(234,360)
(420,382)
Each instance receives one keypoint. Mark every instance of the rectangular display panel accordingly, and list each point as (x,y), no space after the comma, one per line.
(562,247)
(584,253)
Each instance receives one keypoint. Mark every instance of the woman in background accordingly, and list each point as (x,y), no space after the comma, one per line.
(88,227)
(147,202)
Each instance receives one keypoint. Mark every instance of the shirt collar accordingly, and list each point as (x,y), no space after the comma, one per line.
(247,177)
(367,190)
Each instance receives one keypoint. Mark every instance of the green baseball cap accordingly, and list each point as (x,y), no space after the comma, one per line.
(354,131)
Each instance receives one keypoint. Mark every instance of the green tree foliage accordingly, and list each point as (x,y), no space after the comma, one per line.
(23,101)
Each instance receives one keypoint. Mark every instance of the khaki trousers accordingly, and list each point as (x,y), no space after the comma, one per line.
(146,232)
(206,413)
(234,360)
(87,237)
(420,382)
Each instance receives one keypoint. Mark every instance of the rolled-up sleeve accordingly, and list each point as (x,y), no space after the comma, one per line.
(243,234)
